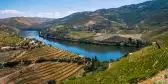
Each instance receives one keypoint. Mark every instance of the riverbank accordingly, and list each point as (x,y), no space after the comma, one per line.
(136,67)
(113,41)
(102,52)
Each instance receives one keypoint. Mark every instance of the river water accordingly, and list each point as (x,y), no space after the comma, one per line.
(102,52)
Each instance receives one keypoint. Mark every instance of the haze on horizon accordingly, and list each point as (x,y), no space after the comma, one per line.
(55,8)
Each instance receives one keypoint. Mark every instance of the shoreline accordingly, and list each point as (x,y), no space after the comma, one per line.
(120,44)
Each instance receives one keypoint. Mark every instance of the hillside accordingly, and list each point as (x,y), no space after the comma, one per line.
(8,29)
(8,36)
(20,62)
(130,20)
(23,22)
(139,65)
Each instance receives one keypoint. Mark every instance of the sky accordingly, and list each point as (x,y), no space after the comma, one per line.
(56,8)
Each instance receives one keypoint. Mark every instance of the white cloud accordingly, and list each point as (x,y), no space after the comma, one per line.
(68,13)
(57,15)
(10,12)
(16,13)
(71,12)
(48,15)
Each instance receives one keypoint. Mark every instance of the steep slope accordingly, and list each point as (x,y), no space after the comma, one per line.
(8,29)
(8,36)
(139,65)
(130,19)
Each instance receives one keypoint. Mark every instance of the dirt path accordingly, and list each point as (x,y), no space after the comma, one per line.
(21,54)
(159,77)
(142,33)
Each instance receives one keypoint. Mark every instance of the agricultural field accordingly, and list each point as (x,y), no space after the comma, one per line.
(138,66)
(7,71)
(41,73)
(31,72)
(9,55)
(47,52)
(38,72)
(80,34)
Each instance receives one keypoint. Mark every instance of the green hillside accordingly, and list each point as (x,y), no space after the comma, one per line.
(141,65)
(7,39)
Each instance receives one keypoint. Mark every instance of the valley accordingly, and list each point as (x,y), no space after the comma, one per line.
(122,45)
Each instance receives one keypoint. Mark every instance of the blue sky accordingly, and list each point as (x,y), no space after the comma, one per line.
(56,8)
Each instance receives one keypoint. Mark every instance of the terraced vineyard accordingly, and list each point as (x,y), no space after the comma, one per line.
(47,52)
(41,73)
(7,71)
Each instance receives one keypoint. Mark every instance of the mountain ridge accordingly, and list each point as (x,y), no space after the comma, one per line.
(23,22)
(130,19)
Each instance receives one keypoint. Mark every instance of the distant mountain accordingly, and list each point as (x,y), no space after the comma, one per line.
(135,18)
(23,22)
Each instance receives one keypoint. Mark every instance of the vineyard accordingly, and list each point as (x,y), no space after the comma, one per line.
(47,52)
(41,73)
(26,67)
(134,68)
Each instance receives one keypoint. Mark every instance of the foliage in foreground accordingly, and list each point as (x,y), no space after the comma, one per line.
(139,66)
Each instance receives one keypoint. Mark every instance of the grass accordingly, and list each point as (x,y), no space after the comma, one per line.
(159,82)
(141,65)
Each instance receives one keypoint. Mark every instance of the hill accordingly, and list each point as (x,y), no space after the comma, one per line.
(131,19)
(138,66)
(8,36)
(34,65)
(23,22)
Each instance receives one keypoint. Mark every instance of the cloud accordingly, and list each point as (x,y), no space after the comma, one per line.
(71,12)
(16,13)
(68,13)
(10,12)
(48,15)
(57,14)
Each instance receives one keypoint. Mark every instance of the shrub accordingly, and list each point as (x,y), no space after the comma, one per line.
(41,59)
(53,60)
(166,76)
(27,62)
(11,64)
(51,82)
(1,66)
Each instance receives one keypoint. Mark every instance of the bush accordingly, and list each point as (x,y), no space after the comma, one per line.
(27,62)
(166,76)
(41,59)
(53,60)
(51,82)
(11,64)
(1,66)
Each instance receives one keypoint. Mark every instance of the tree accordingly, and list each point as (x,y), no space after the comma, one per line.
(138,44)
(51,82)
(130,40)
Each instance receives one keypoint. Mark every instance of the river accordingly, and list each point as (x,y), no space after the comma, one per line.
(102,52)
